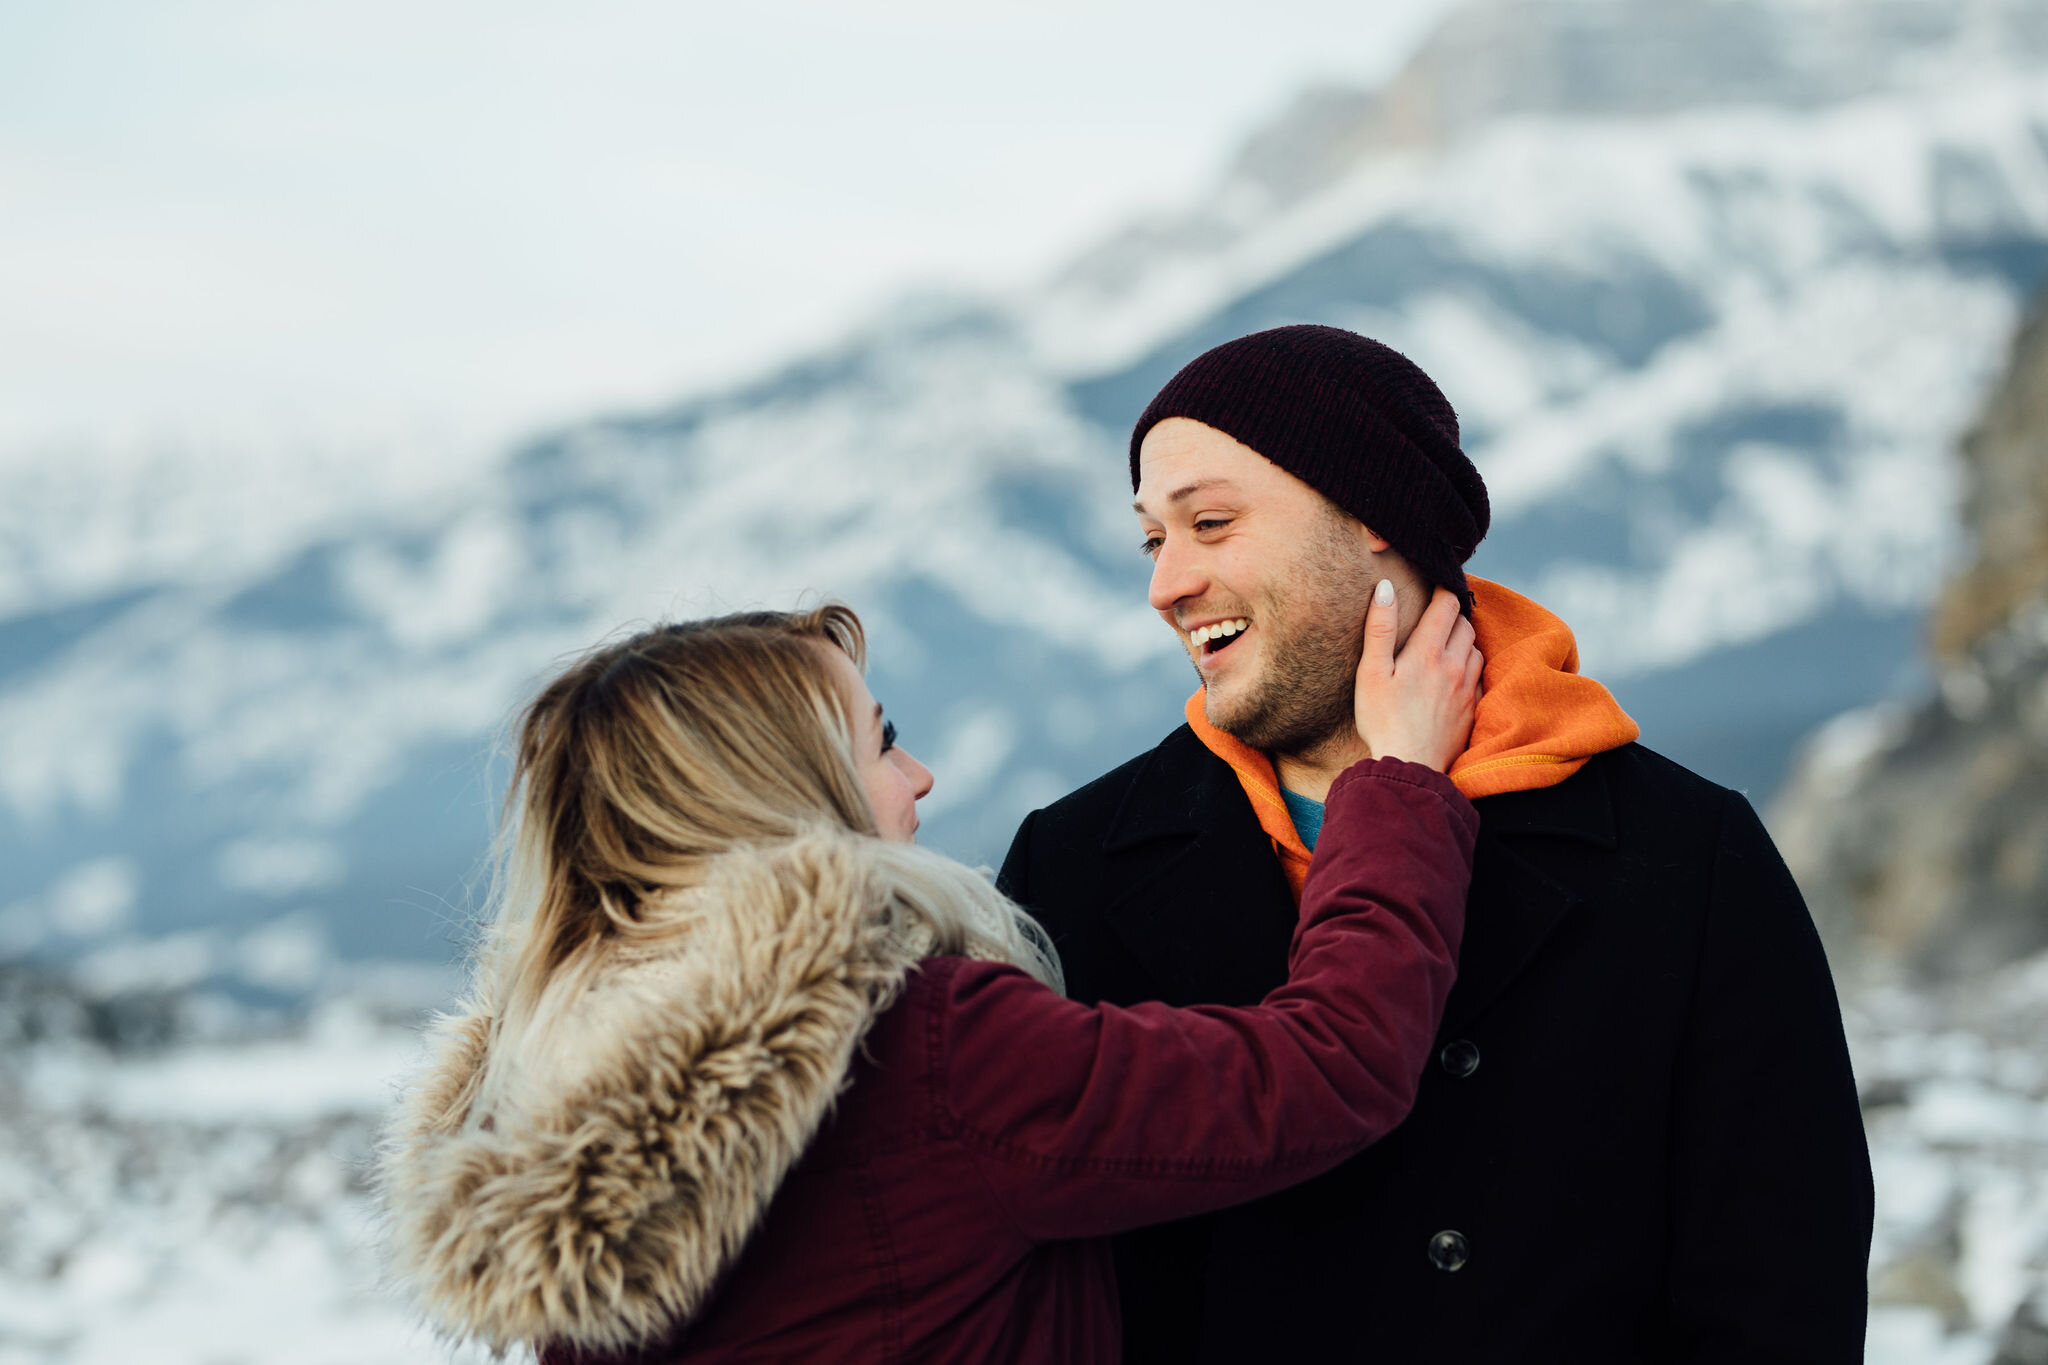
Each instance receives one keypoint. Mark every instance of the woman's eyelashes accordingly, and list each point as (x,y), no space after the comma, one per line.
(888,735)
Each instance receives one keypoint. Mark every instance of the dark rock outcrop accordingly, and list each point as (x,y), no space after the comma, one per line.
(1921,836)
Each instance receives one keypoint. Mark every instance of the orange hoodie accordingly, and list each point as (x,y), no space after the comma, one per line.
(1537,724)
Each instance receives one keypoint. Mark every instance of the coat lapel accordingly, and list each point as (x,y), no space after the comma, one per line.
(1206,911)
(1516,905)
(1205,908)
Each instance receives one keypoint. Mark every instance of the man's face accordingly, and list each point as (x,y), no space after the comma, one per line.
(1236,539)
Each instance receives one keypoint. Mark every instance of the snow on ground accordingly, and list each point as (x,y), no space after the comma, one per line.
(201,1205)
(207,1203)
(1955,1097)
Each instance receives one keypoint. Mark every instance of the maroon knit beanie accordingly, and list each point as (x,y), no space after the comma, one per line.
(1356,421)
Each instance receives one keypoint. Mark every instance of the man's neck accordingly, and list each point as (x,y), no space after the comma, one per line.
(1310,772)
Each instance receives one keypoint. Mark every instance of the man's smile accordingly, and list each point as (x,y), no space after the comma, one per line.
(1212,639)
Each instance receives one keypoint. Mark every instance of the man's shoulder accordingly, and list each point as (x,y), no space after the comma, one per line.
(1637,772)
(1095,803)
(1631,799)
(1636,804)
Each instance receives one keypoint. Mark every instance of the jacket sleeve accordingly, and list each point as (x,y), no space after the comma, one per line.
(1085,1121)
(1771,1183)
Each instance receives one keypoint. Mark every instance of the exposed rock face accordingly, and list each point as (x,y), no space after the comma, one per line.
(2007,507)
(1922,837)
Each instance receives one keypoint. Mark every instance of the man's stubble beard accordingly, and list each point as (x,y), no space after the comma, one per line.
(1314,629)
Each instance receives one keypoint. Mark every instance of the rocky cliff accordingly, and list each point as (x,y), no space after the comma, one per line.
(1921,834)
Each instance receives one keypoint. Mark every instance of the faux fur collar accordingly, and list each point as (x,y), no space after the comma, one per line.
(588,1183)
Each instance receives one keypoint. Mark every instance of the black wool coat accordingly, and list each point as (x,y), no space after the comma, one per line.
(1640,1140)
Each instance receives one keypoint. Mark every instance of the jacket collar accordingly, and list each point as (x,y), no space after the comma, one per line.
(1516,905)
(1203,905)
(1205,910)
(1581,807)
(1181,790)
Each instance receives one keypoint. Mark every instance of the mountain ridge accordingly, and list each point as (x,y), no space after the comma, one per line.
(1710,362)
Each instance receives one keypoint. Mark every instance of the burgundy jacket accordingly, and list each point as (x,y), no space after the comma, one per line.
(994,1134)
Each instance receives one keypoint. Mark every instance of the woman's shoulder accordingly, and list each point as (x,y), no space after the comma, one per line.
(955,1010)
(951,1011)
(945,993)
(608,1116)
(953,984)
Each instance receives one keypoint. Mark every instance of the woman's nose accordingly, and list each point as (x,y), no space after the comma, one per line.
(919,775)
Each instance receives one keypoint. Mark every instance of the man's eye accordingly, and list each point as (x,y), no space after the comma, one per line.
(888,735)
(1211,523)
(1149,547)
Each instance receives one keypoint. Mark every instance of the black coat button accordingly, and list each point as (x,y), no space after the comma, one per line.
(1449,1251)
(1461,1058)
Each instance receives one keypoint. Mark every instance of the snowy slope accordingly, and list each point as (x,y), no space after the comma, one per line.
(209,1205)
(1711,343)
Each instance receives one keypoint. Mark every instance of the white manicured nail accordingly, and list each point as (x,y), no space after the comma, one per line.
(1384,593)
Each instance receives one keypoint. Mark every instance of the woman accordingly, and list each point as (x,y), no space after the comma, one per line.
(745,1075)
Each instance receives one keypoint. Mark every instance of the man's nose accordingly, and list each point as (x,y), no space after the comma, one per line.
(1175,577)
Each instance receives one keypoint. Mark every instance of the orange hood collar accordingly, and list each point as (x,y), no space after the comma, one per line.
(1538,721)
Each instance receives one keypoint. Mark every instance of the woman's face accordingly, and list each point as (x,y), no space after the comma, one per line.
(894,780)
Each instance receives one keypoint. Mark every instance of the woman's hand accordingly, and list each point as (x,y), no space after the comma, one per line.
(1418,705)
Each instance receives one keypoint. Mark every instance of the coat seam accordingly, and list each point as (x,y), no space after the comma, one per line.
(892,1269)
(1510,761)
(945,1123)
(1211,1169)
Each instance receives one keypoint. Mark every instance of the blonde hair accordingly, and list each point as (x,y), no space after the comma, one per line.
(649,759)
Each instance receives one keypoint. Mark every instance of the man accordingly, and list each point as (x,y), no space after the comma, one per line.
(1641,1139)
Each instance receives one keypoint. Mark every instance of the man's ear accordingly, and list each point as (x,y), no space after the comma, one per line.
(1379,544)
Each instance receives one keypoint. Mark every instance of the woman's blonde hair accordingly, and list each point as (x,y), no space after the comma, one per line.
(649,758)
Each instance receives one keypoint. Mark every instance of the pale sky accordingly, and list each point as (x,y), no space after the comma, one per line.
(321,216)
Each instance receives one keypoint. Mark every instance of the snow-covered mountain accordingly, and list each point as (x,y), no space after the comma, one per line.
(1713,285)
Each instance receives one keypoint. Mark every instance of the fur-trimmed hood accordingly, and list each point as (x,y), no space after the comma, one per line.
(585,1177)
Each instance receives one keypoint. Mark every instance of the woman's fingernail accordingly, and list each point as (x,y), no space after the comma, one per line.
(1384,593)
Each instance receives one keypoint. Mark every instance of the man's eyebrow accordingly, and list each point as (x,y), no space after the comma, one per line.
(1186,491)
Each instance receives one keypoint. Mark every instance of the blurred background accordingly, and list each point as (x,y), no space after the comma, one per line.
(359,364)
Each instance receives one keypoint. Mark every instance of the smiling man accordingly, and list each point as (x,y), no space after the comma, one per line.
(1641,1140)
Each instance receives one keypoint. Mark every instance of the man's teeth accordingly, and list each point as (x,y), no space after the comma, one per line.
(1202,635)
